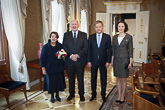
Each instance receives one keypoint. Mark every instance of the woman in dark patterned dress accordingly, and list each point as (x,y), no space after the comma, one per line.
(122,55)
(52,67)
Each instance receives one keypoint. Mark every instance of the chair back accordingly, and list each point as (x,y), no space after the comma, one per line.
(134,80)
(150,73)
(163,50)
(4,76)
(149,69)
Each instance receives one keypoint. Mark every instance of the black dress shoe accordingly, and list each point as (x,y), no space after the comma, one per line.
(117,101)
(122,101)
(92,98)
(82,98)
(103,98)
(58,98)
(52,99)
(70,97)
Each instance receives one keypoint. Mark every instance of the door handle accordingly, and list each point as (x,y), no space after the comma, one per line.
(146,38)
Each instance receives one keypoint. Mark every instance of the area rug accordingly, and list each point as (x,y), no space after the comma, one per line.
(110,103)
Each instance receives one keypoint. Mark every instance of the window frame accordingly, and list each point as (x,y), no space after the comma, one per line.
(4,42)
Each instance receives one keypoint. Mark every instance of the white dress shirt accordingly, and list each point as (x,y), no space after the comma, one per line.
(76,38)
(75,32)
(120,39)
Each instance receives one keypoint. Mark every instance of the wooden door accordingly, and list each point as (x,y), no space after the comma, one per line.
(106,19)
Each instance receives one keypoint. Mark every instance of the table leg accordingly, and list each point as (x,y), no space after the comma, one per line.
(40,77)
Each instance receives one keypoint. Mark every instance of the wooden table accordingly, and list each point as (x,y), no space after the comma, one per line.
(36,64)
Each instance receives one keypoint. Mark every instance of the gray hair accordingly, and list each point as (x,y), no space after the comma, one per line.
(98,21)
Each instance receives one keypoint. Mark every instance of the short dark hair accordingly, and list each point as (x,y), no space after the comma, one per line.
(55,34)
(125,24)
(98,21)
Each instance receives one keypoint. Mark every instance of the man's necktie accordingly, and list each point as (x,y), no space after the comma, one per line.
(98,41)
(74,38)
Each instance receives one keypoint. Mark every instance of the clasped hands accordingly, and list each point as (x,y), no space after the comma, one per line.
(90,65)
(74,57)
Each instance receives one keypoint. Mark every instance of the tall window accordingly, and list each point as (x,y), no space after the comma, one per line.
(2,39)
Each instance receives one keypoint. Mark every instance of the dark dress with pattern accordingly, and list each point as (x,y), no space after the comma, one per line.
(121,55)
(54,80)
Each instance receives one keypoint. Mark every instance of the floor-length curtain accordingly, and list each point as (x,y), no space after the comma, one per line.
(83,13)
(78,10)
(84,26)
(13,14)
(53,18)
(45,7)
(58,21)
(76,15)
(72,12)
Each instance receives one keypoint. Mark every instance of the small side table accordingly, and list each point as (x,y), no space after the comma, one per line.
(36,64)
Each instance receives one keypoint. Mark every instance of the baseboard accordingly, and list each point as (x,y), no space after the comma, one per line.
(35,82)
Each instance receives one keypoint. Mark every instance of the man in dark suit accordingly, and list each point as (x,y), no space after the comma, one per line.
(75,44)
(99,56)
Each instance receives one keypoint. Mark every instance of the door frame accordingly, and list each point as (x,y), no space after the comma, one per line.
(135,60)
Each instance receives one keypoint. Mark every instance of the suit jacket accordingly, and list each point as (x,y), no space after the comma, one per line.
(125,49)
(80,48)
(104,52)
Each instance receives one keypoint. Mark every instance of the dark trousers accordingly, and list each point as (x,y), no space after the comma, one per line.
(103,78)
(72,70)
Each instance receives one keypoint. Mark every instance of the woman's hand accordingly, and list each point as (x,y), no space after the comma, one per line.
(130,66)
(111,64)
(130,63)
(44,70)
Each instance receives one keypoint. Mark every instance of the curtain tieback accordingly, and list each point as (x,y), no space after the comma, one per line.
(20,68)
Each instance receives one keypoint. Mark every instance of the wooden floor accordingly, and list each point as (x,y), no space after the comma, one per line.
(41,101)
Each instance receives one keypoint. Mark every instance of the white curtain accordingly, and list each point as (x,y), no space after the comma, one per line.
(72,12)
(84,26)
(83,13)
(45,20)
(58,23)
(78,11)
(53,18)
(13,14)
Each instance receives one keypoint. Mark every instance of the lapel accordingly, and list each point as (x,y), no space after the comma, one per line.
(78,37)
(95,40)
(102,39)
(71,38)
(116,39)
(123,40)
